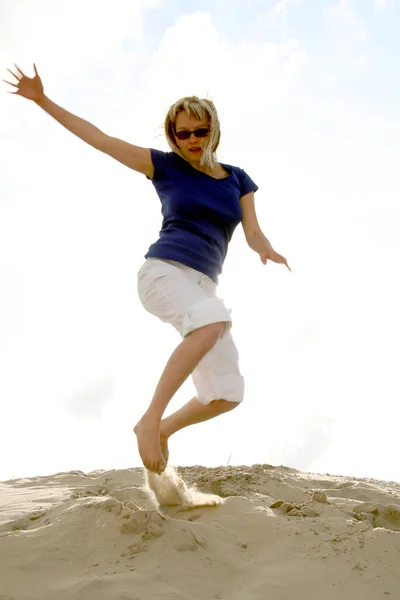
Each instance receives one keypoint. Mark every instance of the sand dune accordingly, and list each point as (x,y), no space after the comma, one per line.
(234,533)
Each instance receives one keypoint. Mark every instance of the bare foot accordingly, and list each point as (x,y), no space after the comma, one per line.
(164,447)
(148,438)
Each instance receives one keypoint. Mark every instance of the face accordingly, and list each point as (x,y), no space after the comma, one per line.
(191,148)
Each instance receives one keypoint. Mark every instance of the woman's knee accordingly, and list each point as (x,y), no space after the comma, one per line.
(225,405)
(230,405)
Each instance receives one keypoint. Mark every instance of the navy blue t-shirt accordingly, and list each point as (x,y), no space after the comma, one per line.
(200,213)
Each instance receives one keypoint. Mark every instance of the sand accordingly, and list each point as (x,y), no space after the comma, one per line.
(229,533)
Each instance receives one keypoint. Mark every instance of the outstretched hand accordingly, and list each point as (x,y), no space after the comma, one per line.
(27,87)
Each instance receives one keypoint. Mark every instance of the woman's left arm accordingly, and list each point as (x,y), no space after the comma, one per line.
(254,235)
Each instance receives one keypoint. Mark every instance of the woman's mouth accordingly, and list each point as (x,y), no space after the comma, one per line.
(194,150)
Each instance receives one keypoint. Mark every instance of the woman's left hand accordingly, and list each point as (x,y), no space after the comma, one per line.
(268,253)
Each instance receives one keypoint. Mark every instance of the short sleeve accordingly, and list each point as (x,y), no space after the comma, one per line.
(246,183)
(161,161)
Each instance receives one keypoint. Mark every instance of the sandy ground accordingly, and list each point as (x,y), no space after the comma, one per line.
(234,533)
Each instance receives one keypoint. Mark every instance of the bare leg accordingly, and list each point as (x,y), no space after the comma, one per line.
(191,413)
(181,364)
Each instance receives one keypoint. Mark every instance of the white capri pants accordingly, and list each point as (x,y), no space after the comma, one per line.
(187,299)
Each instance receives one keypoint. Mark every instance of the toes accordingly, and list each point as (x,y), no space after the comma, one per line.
(155,467)
(151,465)
(159,468)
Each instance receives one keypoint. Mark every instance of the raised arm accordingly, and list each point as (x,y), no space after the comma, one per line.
(134,157)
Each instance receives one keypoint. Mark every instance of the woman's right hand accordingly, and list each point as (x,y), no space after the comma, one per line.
(28,87)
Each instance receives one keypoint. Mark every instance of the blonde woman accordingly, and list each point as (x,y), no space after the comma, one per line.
(202,202)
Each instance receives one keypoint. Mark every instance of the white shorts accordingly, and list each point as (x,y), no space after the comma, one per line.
(187,299)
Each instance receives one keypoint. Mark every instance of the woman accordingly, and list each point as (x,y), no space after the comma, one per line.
(202,203)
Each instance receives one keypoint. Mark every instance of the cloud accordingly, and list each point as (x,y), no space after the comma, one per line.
(351,33)
(381,5)
(267,68)
(276,18)
(71,41)
(360,62)
(346,22)
(69,34)
(282,7)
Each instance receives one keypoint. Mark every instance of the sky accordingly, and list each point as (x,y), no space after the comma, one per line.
(308,96)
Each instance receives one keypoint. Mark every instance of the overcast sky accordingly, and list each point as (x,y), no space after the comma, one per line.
(308,96)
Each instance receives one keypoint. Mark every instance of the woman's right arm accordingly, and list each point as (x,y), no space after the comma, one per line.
(134,157)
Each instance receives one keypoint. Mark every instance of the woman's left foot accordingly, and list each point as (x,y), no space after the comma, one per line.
(164,447)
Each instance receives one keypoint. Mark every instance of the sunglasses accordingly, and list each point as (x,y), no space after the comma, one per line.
(202,132)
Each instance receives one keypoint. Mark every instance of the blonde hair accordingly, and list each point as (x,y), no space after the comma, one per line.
(201,108)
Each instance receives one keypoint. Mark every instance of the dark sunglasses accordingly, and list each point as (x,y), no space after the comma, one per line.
(202,132)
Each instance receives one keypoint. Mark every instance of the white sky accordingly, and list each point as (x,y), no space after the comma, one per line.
(308,99)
